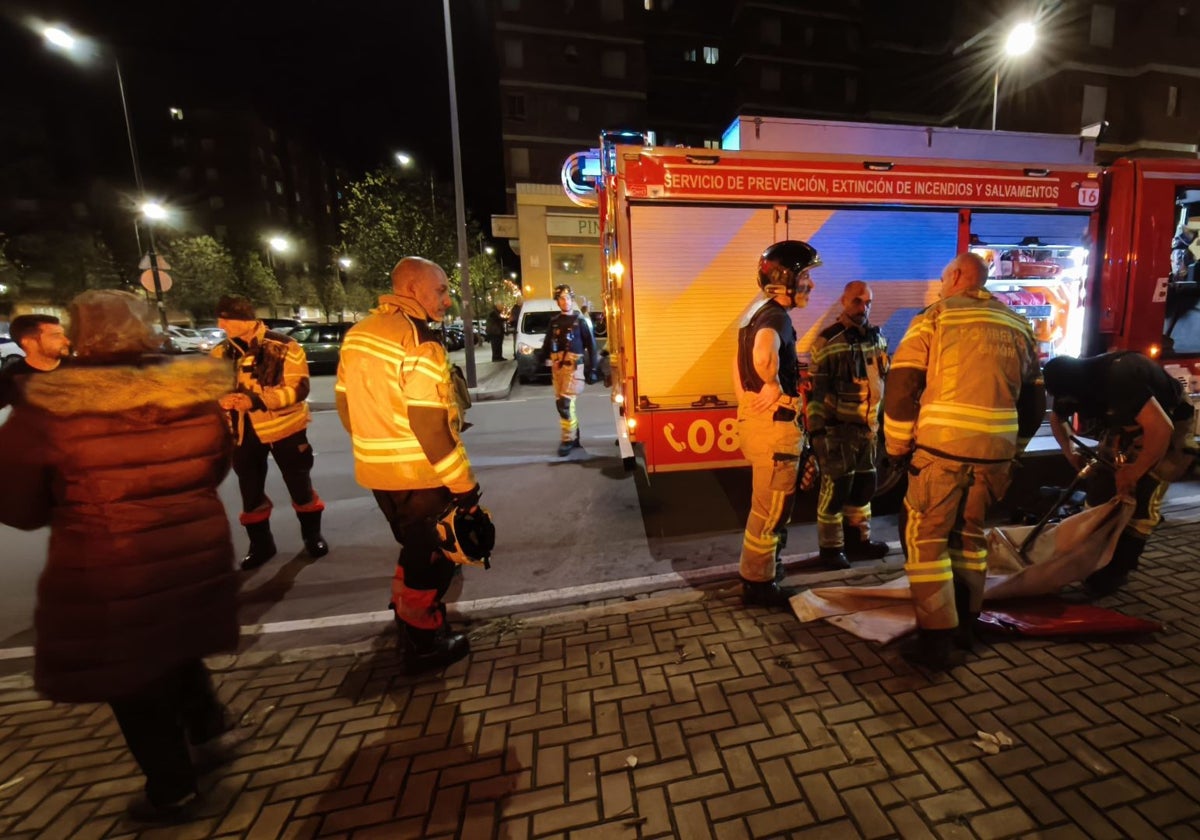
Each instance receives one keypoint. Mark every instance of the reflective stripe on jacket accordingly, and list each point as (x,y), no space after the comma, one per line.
(956,377)
(392,362)
(849,363)
(272,370)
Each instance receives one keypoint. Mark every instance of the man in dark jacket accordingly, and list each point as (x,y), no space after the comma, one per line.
(1133,407)
(121,455)
(495,332)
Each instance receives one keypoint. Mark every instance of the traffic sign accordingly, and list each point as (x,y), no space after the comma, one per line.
(164,280)
(144,262)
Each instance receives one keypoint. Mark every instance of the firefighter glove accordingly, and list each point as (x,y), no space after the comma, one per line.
(469,500)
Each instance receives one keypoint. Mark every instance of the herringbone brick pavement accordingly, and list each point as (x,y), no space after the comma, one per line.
(684,716)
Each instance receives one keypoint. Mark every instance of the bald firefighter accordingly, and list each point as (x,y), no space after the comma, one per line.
(964,396)
(767,383)
(849,363)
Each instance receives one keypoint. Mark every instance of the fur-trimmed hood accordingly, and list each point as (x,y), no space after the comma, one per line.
(112,389)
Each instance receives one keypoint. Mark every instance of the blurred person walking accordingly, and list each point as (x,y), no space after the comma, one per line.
(269,411)
(121,454)
(45,345)
(396,398)
(964,396)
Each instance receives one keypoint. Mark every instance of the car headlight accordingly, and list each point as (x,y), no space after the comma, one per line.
(524,349)
(205,346)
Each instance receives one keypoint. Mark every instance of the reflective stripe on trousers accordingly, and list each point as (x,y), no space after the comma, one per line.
(567,372)
(847,461)
(946,503)
(773,450)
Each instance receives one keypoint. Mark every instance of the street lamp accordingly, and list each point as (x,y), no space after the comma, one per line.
(278,244)
(60,38)
(403,159)
(1020,41)
(345,262)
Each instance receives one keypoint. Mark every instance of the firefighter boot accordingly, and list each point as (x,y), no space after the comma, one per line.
(1110,578)
(564,448)
(833,557)
(766,593)
(858,548)
(262,545)
(310,530)
(932,649)
(431,650)
(964,637)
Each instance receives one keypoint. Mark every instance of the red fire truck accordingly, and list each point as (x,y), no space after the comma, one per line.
(1098,258)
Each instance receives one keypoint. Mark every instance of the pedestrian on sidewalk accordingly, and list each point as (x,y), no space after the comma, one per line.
(45,344)
(495,332)
(964,396)
(849,363)
(1141,418)
(767,382)
(121,454)
(396,399)
(269,412)
(568,338)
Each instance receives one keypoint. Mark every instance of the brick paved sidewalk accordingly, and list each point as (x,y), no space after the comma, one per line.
(743,723)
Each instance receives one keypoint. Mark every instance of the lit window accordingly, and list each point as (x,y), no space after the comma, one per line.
(712,144)
(648,5)
(711,54)
(279,188)
(176,114)
(689,55)
(770,78)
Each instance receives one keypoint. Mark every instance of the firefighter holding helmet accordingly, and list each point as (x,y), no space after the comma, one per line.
(767,382)
(567,339)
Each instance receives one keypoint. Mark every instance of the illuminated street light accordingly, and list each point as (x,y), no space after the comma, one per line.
(404,159)
(1020,41)
(59,38)
(512,274)
(345,262)
(489,250)
(278,243)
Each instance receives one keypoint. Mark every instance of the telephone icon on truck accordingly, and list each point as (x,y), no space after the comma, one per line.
(668,433)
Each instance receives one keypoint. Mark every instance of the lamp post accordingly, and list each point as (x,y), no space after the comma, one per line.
(1020,41)
(276,245)
(60,38)
(405,160)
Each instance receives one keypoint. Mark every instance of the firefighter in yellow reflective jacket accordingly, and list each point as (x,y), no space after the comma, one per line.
(767,382)
(269,413)
(849,363)
(569,345)
(396,398)
(964,396)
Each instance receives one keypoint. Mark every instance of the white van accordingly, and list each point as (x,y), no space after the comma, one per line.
(532,323)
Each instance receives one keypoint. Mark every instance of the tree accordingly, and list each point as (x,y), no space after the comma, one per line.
(202,269)
(64,263)
(488,285)
(332,295)
(299,290)
(359,299)
(387,216)
(256,281)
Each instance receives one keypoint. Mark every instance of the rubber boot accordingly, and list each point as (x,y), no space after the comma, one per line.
(859,549)
(262,545)
(431,650)
(766,594)
(833,557)
(310,530)
(1110,578)
(964,636)
(932,649)
(564,448)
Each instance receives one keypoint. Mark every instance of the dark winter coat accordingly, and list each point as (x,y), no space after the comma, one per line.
(123,463)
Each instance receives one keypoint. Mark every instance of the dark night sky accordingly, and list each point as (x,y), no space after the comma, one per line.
(364,77)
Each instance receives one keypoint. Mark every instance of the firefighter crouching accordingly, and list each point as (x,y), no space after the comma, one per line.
(567,339)
(849,363)
(964,396)
(269,414)
(767,380)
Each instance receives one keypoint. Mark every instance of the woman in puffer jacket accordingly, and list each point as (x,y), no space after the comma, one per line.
(120,452)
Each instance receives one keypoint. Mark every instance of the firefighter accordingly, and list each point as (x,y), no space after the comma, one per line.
(964,395)
(269,414)
(567,339)
(396,399)
(1141,418)
(767,383)
(849,363)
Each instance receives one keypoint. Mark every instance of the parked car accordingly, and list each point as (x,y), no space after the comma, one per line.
(322,344)
(9,350)
(214,334)
(532,324)
(284,325)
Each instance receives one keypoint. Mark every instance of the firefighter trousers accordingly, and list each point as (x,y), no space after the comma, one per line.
(846,455)
(946,504)
(566,369)
(294,457)
(773,449)
(423,573)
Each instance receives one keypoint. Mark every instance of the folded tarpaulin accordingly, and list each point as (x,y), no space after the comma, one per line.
(1064,553)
